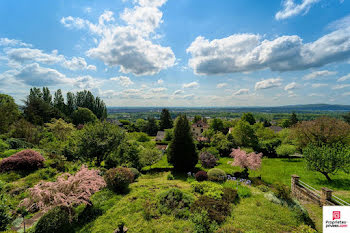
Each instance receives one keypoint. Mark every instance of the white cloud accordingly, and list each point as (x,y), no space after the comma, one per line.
(248,52)
(123,80)
(241,92)
(86,82)
(191,85)
(130,46)
(268,83)
(344,78)
(178,92)
(221,85)
(316,95)
(320,73)
(342,86)
(290,8)
(158,89)
(13,43)
(78,63)
(291,86)
(346,94)
(160,81)
(317,85)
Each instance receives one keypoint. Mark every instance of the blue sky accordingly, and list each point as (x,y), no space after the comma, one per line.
(179,52)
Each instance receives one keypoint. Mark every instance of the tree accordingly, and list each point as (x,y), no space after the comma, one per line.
(248,117)
(286,150)
(221,143)
(322,130)
(83,116)
(165,120)
(70,104)
(246,161)
(60,128)
(151,126)
(150,156)
(217,124)
(244,135)
(346,118)
(58,101)
(9,112)
(293,119)
(182,152)
(127,155)
(141,125)
(96,141)
(327,159)
(197,118)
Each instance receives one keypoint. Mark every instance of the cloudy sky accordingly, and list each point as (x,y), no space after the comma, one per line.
(179,52)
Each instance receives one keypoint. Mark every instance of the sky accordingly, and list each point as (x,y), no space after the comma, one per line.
(179,52)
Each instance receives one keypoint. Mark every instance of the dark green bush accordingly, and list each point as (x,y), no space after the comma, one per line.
(217,210)
(208,188)
(16,143)
(263,188)
(216,174)
(5,218)
(202,223)
(244,191)
(118,179)
(282,191)
(135,172)
(229,195)
(3,146)
(170,177)
(55,221)
(174,201)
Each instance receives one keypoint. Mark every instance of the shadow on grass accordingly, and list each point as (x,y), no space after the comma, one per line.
(291,160)
(335,183)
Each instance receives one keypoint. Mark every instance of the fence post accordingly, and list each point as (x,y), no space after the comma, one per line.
(326,195)
(294,184)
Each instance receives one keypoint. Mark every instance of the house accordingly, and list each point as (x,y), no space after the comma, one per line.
(160,136)
(198,128)
(276,129)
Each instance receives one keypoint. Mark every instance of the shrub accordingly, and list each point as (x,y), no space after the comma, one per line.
(229,229)
(5,218)
(207,159)
(23,160)
(263,188)
(282,191)
(217,210)
(286,150)
(56,220)
(229,195)
(8,153)
(202,222)
(118,179)
(243,191)
(3,146)
(216,174)
(135,172)
(83,116)
(149,210)
(207,188)
(170,177)
(304,229)
(268,147)
(201,176)
(16,143)
(174,201)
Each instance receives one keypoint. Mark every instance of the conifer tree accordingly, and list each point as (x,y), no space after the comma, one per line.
(165,120)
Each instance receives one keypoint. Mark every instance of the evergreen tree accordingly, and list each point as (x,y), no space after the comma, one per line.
(151,126)
(47,97)
(182,152)
(165,120)
(58,101)
(70,103)
(293,119)
(197,118)
(248,117)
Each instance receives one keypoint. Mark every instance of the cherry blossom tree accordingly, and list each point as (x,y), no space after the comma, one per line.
(69,190)
(246,161)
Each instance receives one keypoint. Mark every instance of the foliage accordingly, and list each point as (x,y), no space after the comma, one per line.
(286,150)
(327,159)
(248,117)
(208,188)
(246,161)
(244,135)
(201,176)
(304,229)
(3,146)
(322,130)
(176,202)
(56,220)
(9,112)
(5,218)
(60,128)
(15,143)
(263,188)
(282,192)
(216,174)
(203,223)
(229,229)
(23,160)
(263,133)
(211,150)
(127,154)
(229,195)
(165,120)
(118,179)
(244,191)
(217,210)
(221,143)
(98,140)
(83,116)
(170,177)
(149,156)
(216,124)
(142,137)
(135,172)
(169,134)
(69,190)
(207,160)
(182,152)
(24,130)
(151,126)
(268,147)
(149,210)
(293,119)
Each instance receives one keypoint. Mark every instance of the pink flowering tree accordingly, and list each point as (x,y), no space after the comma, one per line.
(69,190)
(246,161)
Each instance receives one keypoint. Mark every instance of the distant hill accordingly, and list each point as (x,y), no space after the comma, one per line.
(280,109)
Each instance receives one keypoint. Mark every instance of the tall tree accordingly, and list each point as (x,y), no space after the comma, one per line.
(182,152)
(197,118)
(244,135)
(165,120)
(8,112)
(217,124)
(70,103)
(47,97)
(248,117)
(58,101)
(151,126)
(293,119)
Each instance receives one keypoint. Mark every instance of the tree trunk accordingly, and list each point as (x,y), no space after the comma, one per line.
(327,176)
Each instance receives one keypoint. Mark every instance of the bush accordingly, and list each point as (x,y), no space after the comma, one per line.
(5,218)
(229,195)
(243,191)
(118,179)
(16,143)
(282,192)
(3,146)
(83,116)
(170,177)
(268,147)
(202,223)
(304,229)
(263,188)
(8,153)
(217,210)
(216,174)
(286,150)
(174,201)
(207,188)
(207,159)
(56,220)
(201,176)
(135,172)
(149,210)
(229,229)
(23,160)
